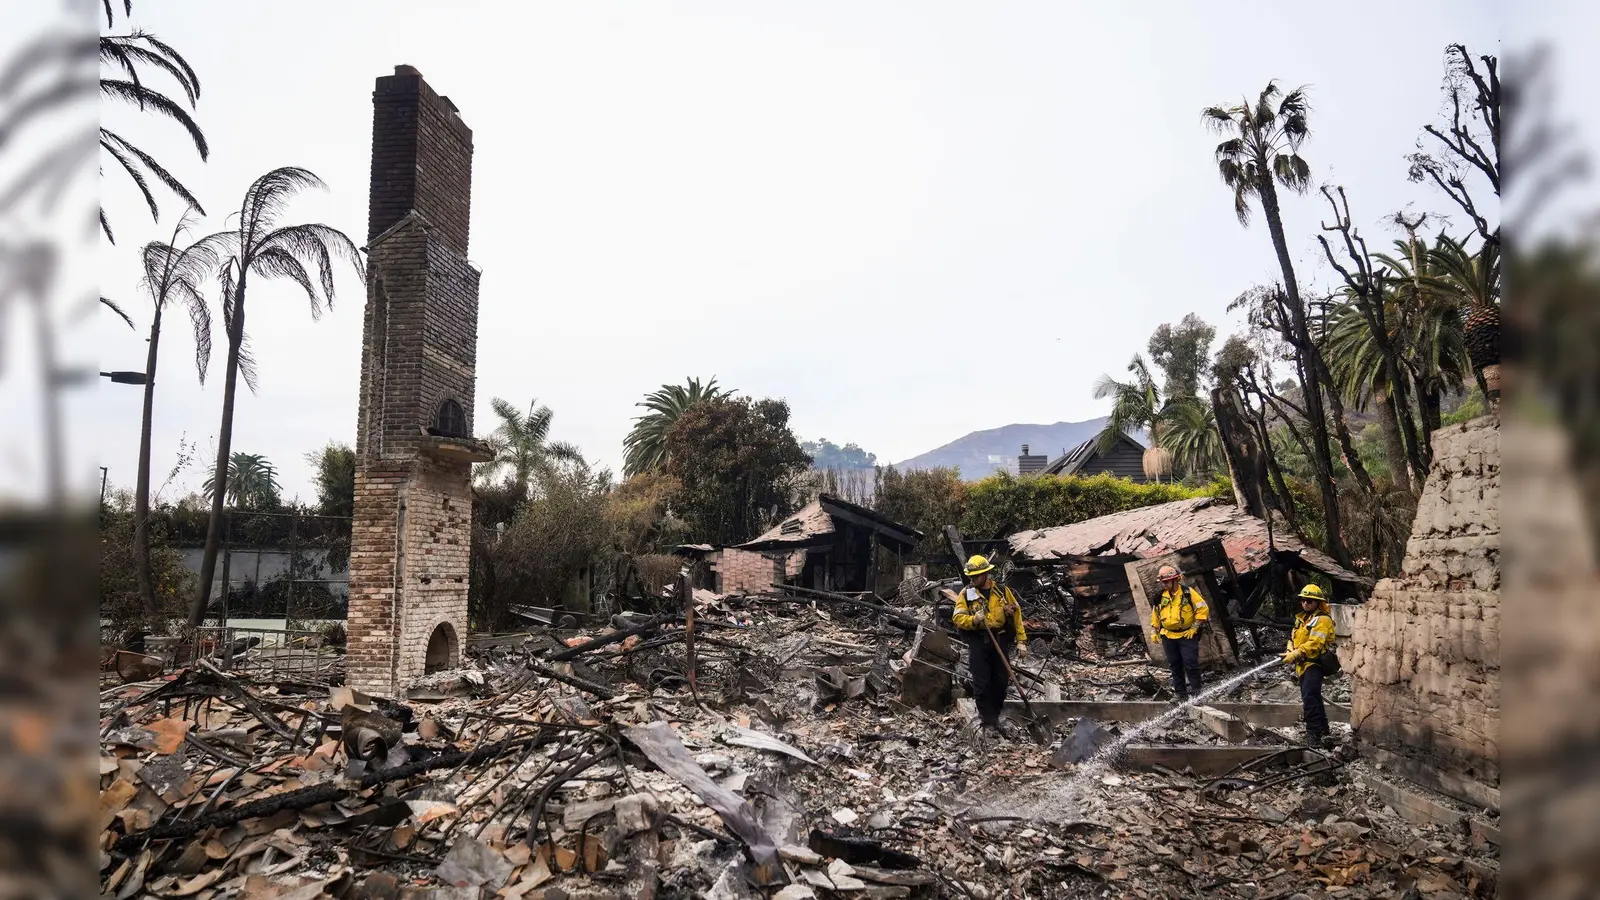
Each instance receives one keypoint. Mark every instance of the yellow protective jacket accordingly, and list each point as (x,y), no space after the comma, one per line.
(973,614)
(1178,614)
(1313,633)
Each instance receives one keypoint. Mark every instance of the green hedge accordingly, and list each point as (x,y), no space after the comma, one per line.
(1044,501)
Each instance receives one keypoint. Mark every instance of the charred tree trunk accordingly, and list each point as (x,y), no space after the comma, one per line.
(1322,456)
(230,386)
(141,490)
(1243,454)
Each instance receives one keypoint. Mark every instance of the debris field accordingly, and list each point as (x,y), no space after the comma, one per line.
(791,744)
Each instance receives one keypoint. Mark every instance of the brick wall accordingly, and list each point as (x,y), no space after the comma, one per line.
(437,542)
(372,622)
(1424,652)
(410,538)
(747,571)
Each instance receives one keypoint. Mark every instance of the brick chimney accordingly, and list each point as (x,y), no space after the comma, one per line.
(410,531)
(421,158)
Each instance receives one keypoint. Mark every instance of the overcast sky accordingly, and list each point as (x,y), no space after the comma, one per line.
(911,221)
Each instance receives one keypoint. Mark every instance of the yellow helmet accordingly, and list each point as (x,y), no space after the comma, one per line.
(1311,592)
(977,565)
(1166,572)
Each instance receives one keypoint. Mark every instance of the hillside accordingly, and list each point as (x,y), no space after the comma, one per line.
(978,454)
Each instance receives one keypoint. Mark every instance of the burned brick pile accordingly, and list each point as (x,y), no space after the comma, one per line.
(767,751)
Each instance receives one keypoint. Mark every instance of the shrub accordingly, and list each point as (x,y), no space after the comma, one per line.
(554,537)
(1049,500)
(119,585)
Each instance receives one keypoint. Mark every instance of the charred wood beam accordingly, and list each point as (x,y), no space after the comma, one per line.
(599,690)
(613,637)
(305,798)
(899,620)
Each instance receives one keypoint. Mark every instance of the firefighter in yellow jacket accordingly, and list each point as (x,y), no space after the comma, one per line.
(1313,636)
(1177,617)
(986,607)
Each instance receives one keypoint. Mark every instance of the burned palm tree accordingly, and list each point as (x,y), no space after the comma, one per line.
(264,248)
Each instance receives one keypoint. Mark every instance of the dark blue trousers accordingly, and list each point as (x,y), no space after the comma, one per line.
(1316,714)
(1183,658)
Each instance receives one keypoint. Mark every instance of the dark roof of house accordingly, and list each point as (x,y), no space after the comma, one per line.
(1071,462)
(1168,527)
(816,522)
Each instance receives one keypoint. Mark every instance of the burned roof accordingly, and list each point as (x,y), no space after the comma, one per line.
(818,520)
(1167,527)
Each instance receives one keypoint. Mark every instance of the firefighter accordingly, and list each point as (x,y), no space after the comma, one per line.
(986,607)
(1177,618)
(1313,636)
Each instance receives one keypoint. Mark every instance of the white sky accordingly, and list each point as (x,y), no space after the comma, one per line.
(911,221)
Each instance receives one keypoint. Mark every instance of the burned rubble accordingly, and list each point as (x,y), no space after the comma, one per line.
(785,743)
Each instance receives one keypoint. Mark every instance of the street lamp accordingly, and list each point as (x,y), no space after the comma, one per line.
(124,377)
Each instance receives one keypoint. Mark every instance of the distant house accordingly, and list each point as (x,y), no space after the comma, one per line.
(1125,460)
(1031,465)
(830,545)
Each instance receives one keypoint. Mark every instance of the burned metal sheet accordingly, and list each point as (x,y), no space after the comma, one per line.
(662,747)
(749,737)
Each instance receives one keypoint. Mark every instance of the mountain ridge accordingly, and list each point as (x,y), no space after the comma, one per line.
(979,454)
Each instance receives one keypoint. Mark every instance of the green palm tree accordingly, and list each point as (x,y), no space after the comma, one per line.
(1472,277)
(1259,152)
(170,275)
(126,55)
(1475,279)
(645,447)
(263,247)
(251,482)
(1434,291)
(1189,432)
(521,444)
(1135,405)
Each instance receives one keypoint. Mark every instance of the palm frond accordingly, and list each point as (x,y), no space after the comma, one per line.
(247,366)
(145,98)
(1219,119)
(127,10)
(320,244)
(273,262)
(1263,108)
(267,198)
(1294,114)
(134,173)
(166,178)
(125,52)
(1292,172)
(111,305)
(565,452)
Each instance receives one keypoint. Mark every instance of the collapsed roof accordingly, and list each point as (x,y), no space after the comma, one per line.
(1168,527)
(816,524)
